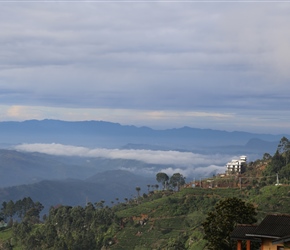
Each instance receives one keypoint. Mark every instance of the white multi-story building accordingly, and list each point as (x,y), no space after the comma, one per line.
(236,166)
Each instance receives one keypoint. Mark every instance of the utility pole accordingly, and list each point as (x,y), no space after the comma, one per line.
(277,181)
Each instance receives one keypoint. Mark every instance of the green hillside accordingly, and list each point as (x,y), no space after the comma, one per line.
(160,219)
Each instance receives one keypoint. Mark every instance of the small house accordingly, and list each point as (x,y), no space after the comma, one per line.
(273,233)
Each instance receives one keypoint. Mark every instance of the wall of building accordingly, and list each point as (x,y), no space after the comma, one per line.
(267,245)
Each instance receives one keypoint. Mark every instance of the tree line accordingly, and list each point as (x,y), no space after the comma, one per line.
(66,227)
(175,181)
(279,163)
(21,209)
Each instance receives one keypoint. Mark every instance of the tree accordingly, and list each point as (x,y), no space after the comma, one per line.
(284,148)
(9,209)
(162,178)
(267,156)
(284,145)
(138,191)
(277,162)
(33,213)
(100,204)
(285,173)
(3,209)
(148,188)
(223,219)
(177,180)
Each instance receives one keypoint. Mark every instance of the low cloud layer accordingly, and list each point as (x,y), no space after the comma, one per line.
(187,163)
(190,172)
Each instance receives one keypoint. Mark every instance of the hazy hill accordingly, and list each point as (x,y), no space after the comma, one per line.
(105,186)
(18,168)
(252,147)
(23,168)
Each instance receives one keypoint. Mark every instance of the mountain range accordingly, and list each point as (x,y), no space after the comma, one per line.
(107,134)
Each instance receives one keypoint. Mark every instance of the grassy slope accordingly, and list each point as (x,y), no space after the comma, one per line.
(183,212)
(171,215)
(6,235)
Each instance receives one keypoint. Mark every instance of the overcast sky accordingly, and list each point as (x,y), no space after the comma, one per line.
(220,65)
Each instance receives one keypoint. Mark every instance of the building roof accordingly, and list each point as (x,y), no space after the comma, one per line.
(240,232)
(273,226)
(282,240)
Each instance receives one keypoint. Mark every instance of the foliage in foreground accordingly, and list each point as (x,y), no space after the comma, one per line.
(69,228)
(223,219)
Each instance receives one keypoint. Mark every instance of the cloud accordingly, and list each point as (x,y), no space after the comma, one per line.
(14,111)
(157,119)
(242,120)
(22,112)
(188,58)
(189,172)
(195,172)
(148,156)
(186,163)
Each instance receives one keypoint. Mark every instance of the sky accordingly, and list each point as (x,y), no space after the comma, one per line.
(163,64)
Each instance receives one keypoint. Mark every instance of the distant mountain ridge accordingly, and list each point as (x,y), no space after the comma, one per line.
(254,146)
(108,134)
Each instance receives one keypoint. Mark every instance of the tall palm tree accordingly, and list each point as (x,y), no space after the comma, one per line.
(138,191)
(148,188)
